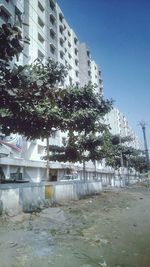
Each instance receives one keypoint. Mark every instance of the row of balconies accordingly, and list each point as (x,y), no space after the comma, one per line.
(53,37)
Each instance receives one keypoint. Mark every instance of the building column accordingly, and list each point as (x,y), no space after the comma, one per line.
(7,174)
(38,175)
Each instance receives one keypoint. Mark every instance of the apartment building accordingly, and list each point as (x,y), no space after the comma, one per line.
(96,77)
(67,47)
(50,36)
(89,71)
(119,126)
(41,17)
(85,64)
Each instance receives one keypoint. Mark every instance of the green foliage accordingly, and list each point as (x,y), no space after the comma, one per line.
(80,148)
(82,109)
(64,154)
(48,74)
(32,103)
(139,163)
(28,99)
(10,42)
(116,139)
(116,147)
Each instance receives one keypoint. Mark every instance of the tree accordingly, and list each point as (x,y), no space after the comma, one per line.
(10,45)
(11,42)
(28,93)
(139,163)
(83,108)
(32,103)
(28,100)
(76,149)
(132,158)
(83,111)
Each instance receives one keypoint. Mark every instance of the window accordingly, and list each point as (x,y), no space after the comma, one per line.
(88,53)
(40,38)
(62,83)
(61,54)
(52,49)
(77,84)
(40,22)
(52,34)
(40,7)
(61,17)
(76,62)
(69,55)
(52,19)
(5,16)
(64,141)
(61,29)
(70,80)
(89,63)
(76,51)
(77,73)
(69,44)
(89,73)
(75,40)
(40,55)
(52,5)
(101,90)
(54,134)
(69,34)
(18,20)
(61,41)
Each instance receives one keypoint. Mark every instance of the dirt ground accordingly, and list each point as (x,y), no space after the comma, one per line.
(109,230)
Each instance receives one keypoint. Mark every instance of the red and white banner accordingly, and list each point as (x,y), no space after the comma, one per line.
(13,141)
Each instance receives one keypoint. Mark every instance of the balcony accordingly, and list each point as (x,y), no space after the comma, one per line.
(52,7)
(61,29)
(61,17)
(5,13)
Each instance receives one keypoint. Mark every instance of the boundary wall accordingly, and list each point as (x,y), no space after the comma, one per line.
(32,197)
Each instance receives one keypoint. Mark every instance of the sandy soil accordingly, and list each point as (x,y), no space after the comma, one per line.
(108,230)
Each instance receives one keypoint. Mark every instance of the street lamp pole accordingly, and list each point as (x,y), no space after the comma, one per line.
(121,156)
(143,126)
(121,162)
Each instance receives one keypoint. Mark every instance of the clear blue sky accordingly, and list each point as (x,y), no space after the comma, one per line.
(117,33)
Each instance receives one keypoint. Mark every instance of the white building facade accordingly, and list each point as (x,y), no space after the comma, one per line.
(50,36)
(120,126)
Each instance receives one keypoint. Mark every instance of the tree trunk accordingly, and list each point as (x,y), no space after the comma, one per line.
(95,175)
(47,164)
(84,170)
